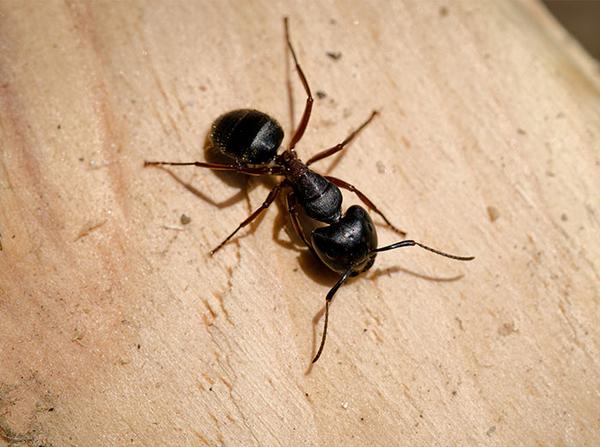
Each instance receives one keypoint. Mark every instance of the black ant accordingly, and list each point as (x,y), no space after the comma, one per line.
(348,244)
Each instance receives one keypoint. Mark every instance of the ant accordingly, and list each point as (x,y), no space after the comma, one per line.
(348,243)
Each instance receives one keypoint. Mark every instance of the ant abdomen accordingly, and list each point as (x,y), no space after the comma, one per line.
(348,243)
(247,135)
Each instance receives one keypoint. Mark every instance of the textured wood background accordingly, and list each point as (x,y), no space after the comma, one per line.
(117,328)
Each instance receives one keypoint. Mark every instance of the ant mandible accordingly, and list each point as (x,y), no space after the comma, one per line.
(348,244)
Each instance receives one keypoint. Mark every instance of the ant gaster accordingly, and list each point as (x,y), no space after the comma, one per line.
(348,244)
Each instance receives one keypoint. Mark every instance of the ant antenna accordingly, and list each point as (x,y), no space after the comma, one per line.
(409,243)
(328,299)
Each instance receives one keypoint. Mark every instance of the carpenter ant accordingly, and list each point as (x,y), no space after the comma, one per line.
(348,244)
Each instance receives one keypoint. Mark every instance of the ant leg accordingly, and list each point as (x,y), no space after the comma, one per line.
(259,170)
(365,200)
(338,147)
(293,212)
(328,299)
(268,201)
(309,100)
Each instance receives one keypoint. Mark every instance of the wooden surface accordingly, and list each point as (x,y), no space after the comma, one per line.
(116,326)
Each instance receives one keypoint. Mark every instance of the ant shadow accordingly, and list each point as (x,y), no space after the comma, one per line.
(238,196)
(310,264)
(232,179)
(391,270)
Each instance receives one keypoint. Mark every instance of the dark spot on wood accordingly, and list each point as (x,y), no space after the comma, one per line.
(185,219)
(460,323)
(521,131)
(321,94)
(493,214)
(88,229)
(507,329)
(564,217)
(335,55)
(405,141)
(443,11)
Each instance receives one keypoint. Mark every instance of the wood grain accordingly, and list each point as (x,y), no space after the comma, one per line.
(117,328)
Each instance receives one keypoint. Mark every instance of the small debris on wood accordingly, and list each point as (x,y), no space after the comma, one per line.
(335,55)
(493,213)
(185,219)
(77,337)
(89,228)
(507,329)
(321,94)
(443,11)
(460,323)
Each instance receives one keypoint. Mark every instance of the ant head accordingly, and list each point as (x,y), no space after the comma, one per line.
(348,243)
